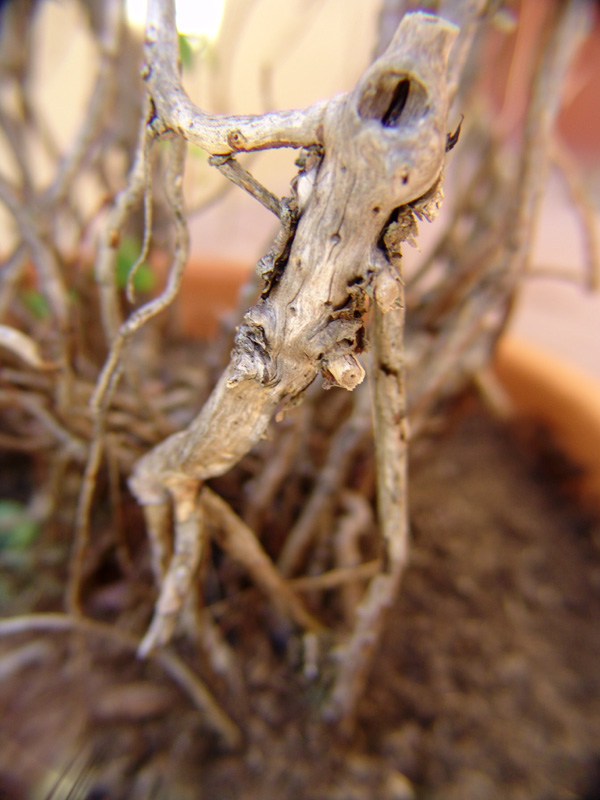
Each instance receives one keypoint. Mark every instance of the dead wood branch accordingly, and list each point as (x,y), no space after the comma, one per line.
(216,134)
(311,319)
(390,416)
(384,146)
(371,168)
(328,483)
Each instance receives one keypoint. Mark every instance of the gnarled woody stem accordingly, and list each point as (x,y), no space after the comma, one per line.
(383,147)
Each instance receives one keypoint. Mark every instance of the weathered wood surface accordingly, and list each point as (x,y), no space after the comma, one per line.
(383,146)
(371,152)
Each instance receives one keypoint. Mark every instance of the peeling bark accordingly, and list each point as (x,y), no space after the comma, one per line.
(378,148)
(383,148)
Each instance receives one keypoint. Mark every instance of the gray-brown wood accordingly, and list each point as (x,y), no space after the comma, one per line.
(377,149)
(312,318)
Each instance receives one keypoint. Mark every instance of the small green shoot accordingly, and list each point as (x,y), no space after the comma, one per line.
(36,303)
(129,250)
(186,53)
(18,531)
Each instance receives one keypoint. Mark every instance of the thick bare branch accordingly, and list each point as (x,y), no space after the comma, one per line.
(384,146)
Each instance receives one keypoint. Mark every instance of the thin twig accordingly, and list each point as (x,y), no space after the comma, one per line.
(243,546)
(21,443)
(43,257)
(328,483)
(354,523)
(24,347)
(82,520)
(570,23)
(233,171)
(109,377)
(336,578)
(108,246)
(216,134)
(130,288)
(11,273)
(221,655)
(27,655)
(174,189)
(13,136)
(36,406)
(109,39)
(565,274)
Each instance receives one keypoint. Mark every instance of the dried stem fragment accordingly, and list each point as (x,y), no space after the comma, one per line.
(391,452)
(241,543)
(329,481)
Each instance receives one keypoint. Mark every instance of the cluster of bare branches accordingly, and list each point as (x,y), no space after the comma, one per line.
(372,168)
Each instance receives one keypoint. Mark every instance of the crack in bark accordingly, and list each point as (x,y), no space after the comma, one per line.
(322,266)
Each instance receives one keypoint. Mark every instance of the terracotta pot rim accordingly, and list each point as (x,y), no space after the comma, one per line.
(564,398)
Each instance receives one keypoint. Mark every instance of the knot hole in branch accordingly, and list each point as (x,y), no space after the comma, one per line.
(394,100)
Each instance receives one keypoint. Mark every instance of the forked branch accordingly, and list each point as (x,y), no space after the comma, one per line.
(381,147)
(217,134)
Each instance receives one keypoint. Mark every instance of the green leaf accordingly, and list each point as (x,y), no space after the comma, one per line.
(18,531)
(185,52)
(127,255)
(36,303)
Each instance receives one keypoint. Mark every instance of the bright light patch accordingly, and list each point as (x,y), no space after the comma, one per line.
(196,18)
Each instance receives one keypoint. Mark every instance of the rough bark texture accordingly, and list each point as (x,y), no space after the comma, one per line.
(383,147)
